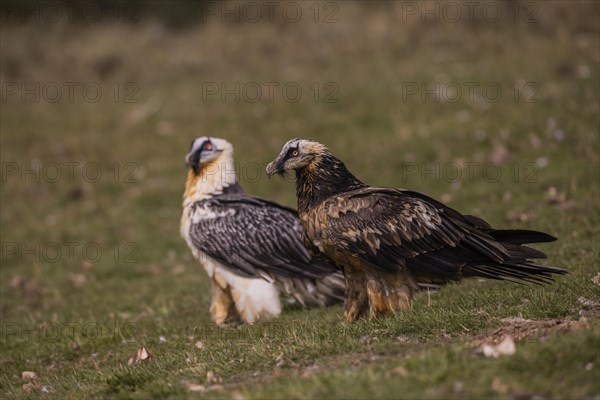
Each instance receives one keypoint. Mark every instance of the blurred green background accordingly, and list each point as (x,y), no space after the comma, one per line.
(408,94)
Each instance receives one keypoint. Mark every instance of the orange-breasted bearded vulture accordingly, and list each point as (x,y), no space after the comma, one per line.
(390,241)
(250,247)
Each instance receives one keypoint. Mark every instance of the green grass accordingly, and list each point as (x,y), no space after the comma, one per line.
(78,337)
(450,371)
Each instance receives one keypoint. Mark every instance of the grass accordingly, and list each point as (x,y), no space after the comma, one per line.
(75,322)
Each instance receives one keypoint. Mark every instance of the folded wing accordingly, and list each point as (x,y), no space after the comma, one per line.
(393,229)
(254,237)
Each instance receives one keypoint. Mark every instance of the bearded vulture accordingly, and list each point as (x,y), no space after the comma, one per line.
(389,241)
(250,247)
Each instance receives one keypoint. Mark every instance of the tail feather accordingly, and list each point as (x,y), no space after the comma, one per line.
(517,266)
(525,271)
(520,236)
(523,252)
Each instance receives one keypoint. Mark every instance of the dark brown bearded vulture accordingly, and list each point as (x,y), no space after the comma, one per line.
(389,241)
(250,247)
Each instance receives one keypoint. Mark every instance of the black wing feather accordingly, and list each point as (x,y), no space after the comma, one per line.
(251,235)
(392,228)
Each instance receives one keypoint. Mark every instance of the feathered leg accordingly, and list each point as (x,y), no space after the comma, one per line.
(357,303)
(235,298)
(388,292)
(222,307)
(255,299)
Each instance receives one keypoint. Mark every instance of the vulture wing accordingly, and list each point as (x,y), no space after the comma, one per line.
(253,236)
(393,229)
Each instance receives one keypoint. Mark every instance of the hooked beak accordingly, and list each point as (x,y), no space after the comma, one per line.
(274,168)
(188,159)
(199,151)
(192,159)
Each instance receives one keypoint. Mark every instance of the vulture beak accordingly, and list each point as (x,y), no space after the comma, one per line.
(193,158)
(271,169)
(188,160)
(201,149)
(275,167)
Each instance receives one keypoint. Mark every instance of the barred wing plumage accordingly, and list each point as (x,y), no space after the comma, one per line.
(254,237)
(392,229)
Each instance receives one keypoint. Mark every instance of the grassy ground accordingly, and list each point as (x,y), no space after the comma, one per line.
(75,317)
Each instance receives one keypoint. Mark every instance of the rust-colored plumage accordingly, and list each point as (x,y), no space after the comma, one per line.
(390,241)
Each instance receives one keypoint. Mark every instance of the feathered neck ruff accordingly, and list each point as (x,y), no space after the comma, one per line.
(323,177)
(212,179)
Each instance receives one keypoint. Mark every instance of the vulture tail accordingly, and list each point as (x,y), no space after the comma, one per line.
(517,265)
(520,236)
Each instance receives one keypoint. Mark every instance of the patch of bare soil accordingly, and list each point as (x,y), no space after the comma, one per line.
(590,308)
(521,329)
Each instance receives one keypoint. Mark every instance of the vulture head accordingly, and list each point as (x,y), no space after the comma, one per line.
(205,150)
(296,154)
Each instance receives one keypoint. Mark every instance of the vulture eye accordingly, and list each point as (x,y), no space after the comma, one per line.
(295,153)
(208,146)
